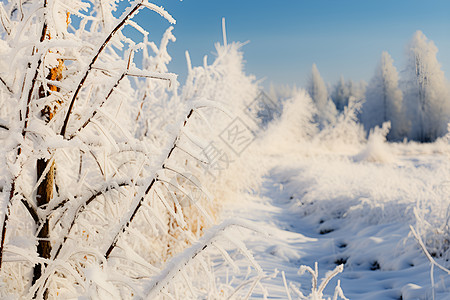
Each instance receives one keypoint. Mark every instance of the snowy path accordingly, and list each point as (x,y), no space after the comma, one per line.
(379,264)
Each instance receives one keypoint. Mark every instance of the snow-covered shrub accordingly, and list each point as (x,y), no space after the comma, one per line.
(230,144)
(295,127)
(224,81)
(92,204)
(316,289)
(376,149)
(432,220)
(345,132)
(298,127)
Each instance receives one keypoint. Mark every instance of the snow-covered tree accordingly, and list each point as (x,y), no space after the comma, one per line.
(343,91)
(384,99)
(425,91)
(341,94)
(326,110)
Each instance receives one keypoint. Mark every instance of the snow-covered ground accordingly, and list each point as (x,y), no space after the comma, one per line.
(356,209)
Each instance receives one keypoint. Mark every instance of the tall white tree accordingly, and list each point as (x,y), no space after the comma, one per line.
(426,94)
(326,110)
(384,99)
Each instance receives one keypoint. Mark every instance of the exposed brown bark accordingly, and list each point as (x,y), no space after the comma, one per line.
(43,196)
(44,193)
(19,150)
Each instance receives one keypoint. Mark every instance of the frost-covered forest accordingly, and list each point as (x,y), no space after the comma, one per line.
(416,103)
(118,182)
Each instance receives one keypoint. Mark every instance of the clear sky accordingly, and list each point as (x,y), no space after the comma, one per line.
(343,37)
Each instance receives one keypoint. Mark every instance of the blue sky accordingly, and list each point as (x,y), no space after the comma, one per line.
(343,37)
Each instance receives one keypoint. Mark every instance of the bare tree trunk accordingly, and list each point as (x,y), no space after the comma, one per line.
(44,193)
(43,196)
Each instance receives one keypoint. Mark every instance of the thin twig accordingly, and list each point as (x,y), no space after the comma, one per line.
(96,110)
(7,86)
(196,184)
(425,251)
(192,155)
(31,211)
(285,285)
(133,214)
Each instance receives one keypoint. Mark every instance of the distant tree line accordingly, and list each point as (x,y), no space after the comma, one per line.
(417,103)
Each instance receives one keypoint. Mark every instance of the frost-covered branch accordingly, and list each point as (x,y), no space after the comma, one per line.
(36,73)
(56,250)
(32,211)
(176,264)
(81,207)
(6,22)
(317,291)
(128,15)
(136,73)
(128,218)
(6,85)
(425,251)
(429,257)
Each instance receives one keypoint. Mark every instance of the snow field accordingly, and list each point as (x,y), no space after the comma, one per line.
(353,207)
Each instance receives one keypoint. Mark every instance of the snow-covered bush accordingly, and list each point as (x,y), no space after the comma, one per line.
(299,127)
(295,127)
(432,215)
(376,149)
(98,193)
(233,98)
(345,132)
(316,289)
